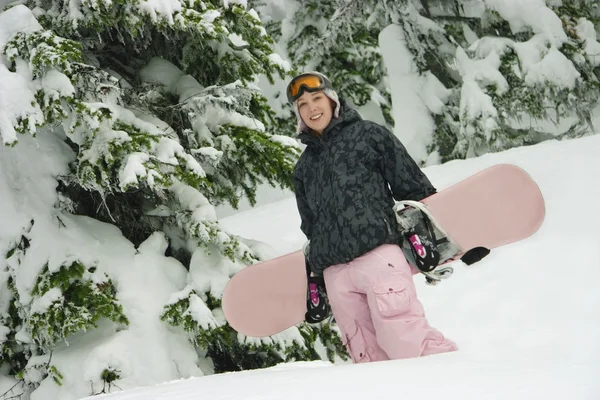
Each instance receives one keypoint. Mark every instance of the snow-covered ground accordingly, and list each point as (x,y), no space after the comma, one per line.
(527,319)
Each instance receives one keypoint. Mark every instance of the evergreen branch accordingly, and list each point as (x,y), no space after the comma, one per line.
(11,389)
(239,48)
(533,136)
(347,8)
(425,4)
(16,396)
(456,18)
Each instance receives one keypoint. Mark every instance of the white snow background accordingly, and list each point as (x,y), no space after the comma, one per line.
(526,319)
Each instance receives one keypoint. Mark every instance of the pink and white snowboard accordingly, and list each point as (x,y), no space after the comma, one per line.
(497,206)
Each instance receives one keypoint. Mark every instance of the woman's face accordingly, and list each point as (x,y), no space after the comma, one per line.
(315,110)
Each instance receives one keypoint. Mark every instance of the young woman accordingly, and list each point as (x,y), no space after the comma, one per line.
(345,183)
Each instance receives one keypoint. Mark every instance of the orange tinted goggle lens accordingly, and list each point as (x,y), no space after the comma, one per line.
(311,82)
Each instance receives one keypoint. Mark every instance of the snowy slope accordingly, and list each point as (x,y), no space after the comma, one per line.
(527,319)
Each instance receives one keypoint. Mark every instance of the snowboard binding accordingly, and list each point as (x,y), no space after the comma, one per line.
(425,244)
(317,303)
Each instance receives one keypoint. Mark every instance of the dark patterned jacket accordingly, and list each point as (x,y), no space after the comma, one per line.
(345,182)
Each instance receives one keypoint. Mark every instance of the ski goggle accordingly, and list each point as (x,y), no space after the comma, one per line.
(306,82)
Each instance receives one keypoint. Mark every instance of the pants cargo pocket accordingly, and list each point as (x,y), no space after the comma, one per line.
(355,344)
(393,298)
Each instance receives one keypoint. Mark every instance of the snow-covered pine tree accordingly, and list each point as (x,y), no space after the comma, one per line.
(514,65)
(335,38)
(494,64)
(158,104)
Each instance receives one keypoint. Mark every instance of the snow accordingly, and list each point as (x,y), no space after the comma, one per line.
(276,59)
(59,83)
(540,65)
(187,87)
(209,152)
(208,117)
(526,319)
(237,40)
(484,71)
(167,74)
(16,19)
(163,149)
(285,140)
(414,124)
(161,71)
(554,68)
(209,17)
(158,9)
(243,3)
(4,331)
(586,31)
(475,104)
(16,101)
(16,96)
(219,116)
(435,94)
(530,14)
(201,312)
(134,167)
(191,199)
(254,14)
(145,279)
(41,304)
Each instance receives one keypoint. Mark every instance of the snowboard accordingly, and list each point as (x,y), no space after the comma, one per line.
(495,207)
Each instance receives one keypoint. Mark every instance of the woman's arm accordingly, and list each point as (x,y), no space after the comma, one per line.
(399,169)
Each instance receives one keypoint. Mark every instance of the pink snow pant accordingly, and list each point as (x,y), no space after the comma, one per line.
(374,301)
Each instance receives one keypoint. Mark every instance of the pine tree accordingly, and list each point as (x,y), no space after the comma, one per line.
(477,50)
(334,38)
(158,103)
(509,68)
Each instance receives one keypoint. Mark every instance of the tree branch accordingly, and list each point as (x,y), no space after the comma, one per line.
(10,390)
(455,18)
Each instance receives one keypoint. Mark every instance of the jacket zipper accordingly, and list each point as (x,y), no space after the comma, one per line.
(334,210)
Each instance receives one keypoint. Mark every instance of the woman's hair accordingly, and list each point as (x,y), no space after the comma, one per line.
(335,108)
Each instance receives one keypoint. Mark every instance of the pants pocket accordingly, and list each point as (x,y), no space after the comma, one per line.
(392,298)
(355,344)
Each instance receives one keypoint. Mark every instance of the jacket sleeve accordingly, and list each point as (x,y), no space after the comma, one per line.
(303,208)
(399,169)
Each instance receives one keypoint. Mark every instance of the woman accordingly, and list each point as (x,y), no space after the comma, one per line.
(345,182)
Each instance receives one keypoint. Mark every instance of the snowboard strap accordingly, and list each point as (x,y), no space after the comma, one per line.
(425,243)
(432,246)
(317,303)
